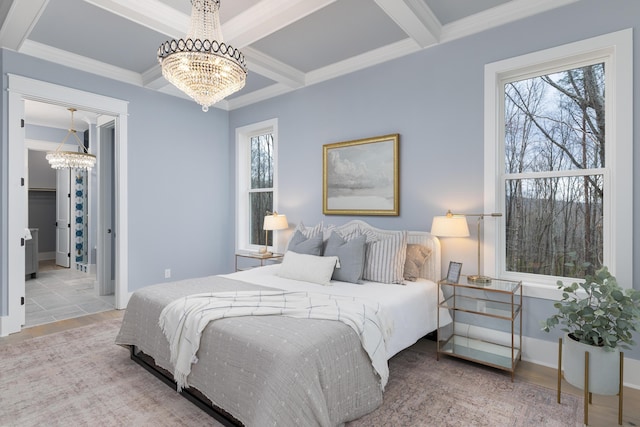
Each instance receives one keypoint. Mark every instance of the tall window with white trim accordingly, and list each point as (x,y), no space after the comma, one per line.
(256,147)
(558,144)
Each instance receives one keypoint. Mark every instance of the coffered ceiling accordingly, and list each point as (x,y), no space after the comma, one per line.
(288,44)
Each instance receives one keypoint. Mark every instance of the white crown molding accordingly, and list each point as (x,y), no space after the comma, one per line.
(79,62)
(508,12)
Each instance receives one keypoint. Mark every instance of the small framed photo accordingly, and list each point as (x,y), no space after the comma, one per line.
(453,275)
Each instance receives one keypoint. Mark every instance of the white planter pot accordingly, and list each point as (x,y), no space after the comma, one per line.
(604,367)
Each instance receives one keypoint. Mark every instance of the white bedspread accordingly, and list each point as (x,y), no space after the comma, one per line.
(183,321)
(412,308)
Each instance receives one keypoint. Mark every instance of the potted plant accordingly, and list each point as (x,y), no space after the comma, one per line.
(598,316)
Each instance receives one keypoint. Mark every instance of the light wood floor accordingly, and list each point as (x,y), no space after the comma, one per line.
(603,412)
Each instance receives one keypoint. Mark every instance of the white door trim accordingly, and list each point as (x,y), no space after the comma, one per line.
(16,203)
(21,88)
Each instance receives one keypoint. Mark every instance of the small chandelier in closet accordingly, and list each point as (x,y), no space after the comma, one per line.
(71,159)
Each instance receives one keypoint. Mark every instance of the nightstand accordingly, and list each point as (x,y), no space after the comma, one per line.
(258,258)
(495,305)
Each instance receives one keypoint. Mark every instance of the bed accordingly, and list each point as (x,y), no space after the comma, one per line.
(280,370)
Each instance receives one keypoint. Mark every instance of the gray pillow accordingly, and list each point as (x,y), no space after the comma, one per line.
(302,245)
(350,253)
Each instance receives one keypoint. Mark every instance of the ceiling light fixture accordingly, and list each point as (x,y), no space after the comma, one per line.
(71,159)
(202,65)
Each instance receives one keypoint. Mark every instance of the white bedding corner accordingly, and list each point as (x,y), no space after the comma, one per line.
(411,307)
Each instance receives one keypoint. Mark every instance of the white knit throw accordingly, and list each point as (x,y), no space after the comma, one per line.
(183,321)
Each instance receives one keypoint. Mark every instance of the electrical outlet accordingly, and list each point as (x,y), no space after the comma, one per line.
(167,273)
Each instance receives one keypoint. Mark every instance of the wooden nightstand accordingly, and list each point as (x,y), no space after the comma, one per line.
(262,258)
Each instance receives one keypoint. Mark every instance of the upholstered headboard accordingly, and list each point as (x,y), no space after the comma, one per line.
(431,268)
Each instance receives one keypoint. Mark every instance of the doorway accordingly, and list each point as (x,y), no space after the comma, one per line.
(61,216)
(20,90)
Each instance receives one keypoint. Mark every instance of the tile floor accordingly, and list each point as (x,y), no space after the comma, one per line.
(61,293)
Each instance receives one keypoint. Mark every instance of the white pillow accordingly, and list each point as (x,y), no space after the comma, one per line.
(307,268)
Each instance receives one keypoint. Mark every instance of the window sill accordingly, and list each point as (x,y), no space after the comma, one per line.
(537,290)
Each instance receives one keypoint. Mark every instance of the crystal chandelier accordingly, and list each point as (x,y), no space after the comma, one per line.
(202,65)
(71,159)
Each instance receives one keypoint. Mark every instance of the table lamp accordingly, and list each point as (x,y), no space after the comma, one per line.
(455,225)
(272,222)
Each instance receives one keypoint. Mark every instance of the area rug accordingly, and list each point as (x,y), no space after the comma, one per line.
(80,377)
(452,392)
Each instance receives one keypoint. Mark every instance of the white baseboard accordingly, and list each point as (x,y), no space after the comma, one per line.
(4,326)
(46,256)
(541,352)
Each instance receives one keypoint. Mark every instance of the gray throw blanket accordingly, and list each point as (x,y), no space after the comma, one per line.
(263,370)
(183,321)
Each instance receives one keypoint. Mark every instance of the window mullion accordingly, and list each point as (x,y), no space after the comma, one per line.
(554,174)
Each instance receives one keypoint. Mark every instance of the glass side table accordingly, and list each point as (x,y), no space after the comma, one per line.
(474,304)
(259,259)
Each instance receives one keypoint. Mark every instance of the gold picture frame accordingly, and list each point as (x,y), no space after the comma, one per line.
(361,177)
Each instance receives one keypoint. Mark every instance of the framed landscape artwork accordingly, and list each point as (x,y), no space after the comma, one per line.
(361,177)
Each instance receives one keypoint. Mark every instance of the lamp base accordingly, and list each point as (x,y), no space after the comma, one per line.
(264,252)
(478,279)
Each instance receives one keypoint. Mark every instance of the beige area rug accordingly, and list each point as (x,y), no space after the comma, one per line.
(80,378)
(451,392)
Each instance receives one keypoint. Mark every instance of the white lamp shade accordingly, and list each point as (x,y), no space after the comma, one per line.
(275,222)
(450,226)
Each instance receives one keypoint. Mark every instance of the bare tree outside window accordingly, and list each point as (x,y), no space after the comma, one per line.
(261,191)
(554,154)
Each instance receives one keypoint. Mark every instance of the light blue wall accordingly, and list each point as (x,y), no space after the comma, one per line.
(178,176)
(181,161)
(434,100)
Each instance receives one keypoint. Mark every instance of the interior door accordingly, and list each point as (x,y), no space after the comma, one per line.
(63,217)
(107,232)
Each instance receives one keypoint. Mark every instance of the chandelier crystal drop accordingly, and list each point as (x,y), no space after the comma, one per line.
(202,65)
(71,159)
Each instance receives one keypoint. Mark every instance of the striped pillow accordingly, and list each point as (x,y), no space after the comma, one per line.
(385,258)
(310,232)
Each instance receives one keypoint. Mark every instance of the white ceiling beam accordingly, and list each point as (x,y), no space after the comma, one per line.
(153,78)
(257,96)
(20,20)
(359,62)
(273,69)
(267,17)
(152,14)
(415,18)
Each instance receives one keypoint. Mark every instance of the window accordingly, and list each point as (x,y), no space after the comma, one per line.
(256,147)
(558,146)
(554,172)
